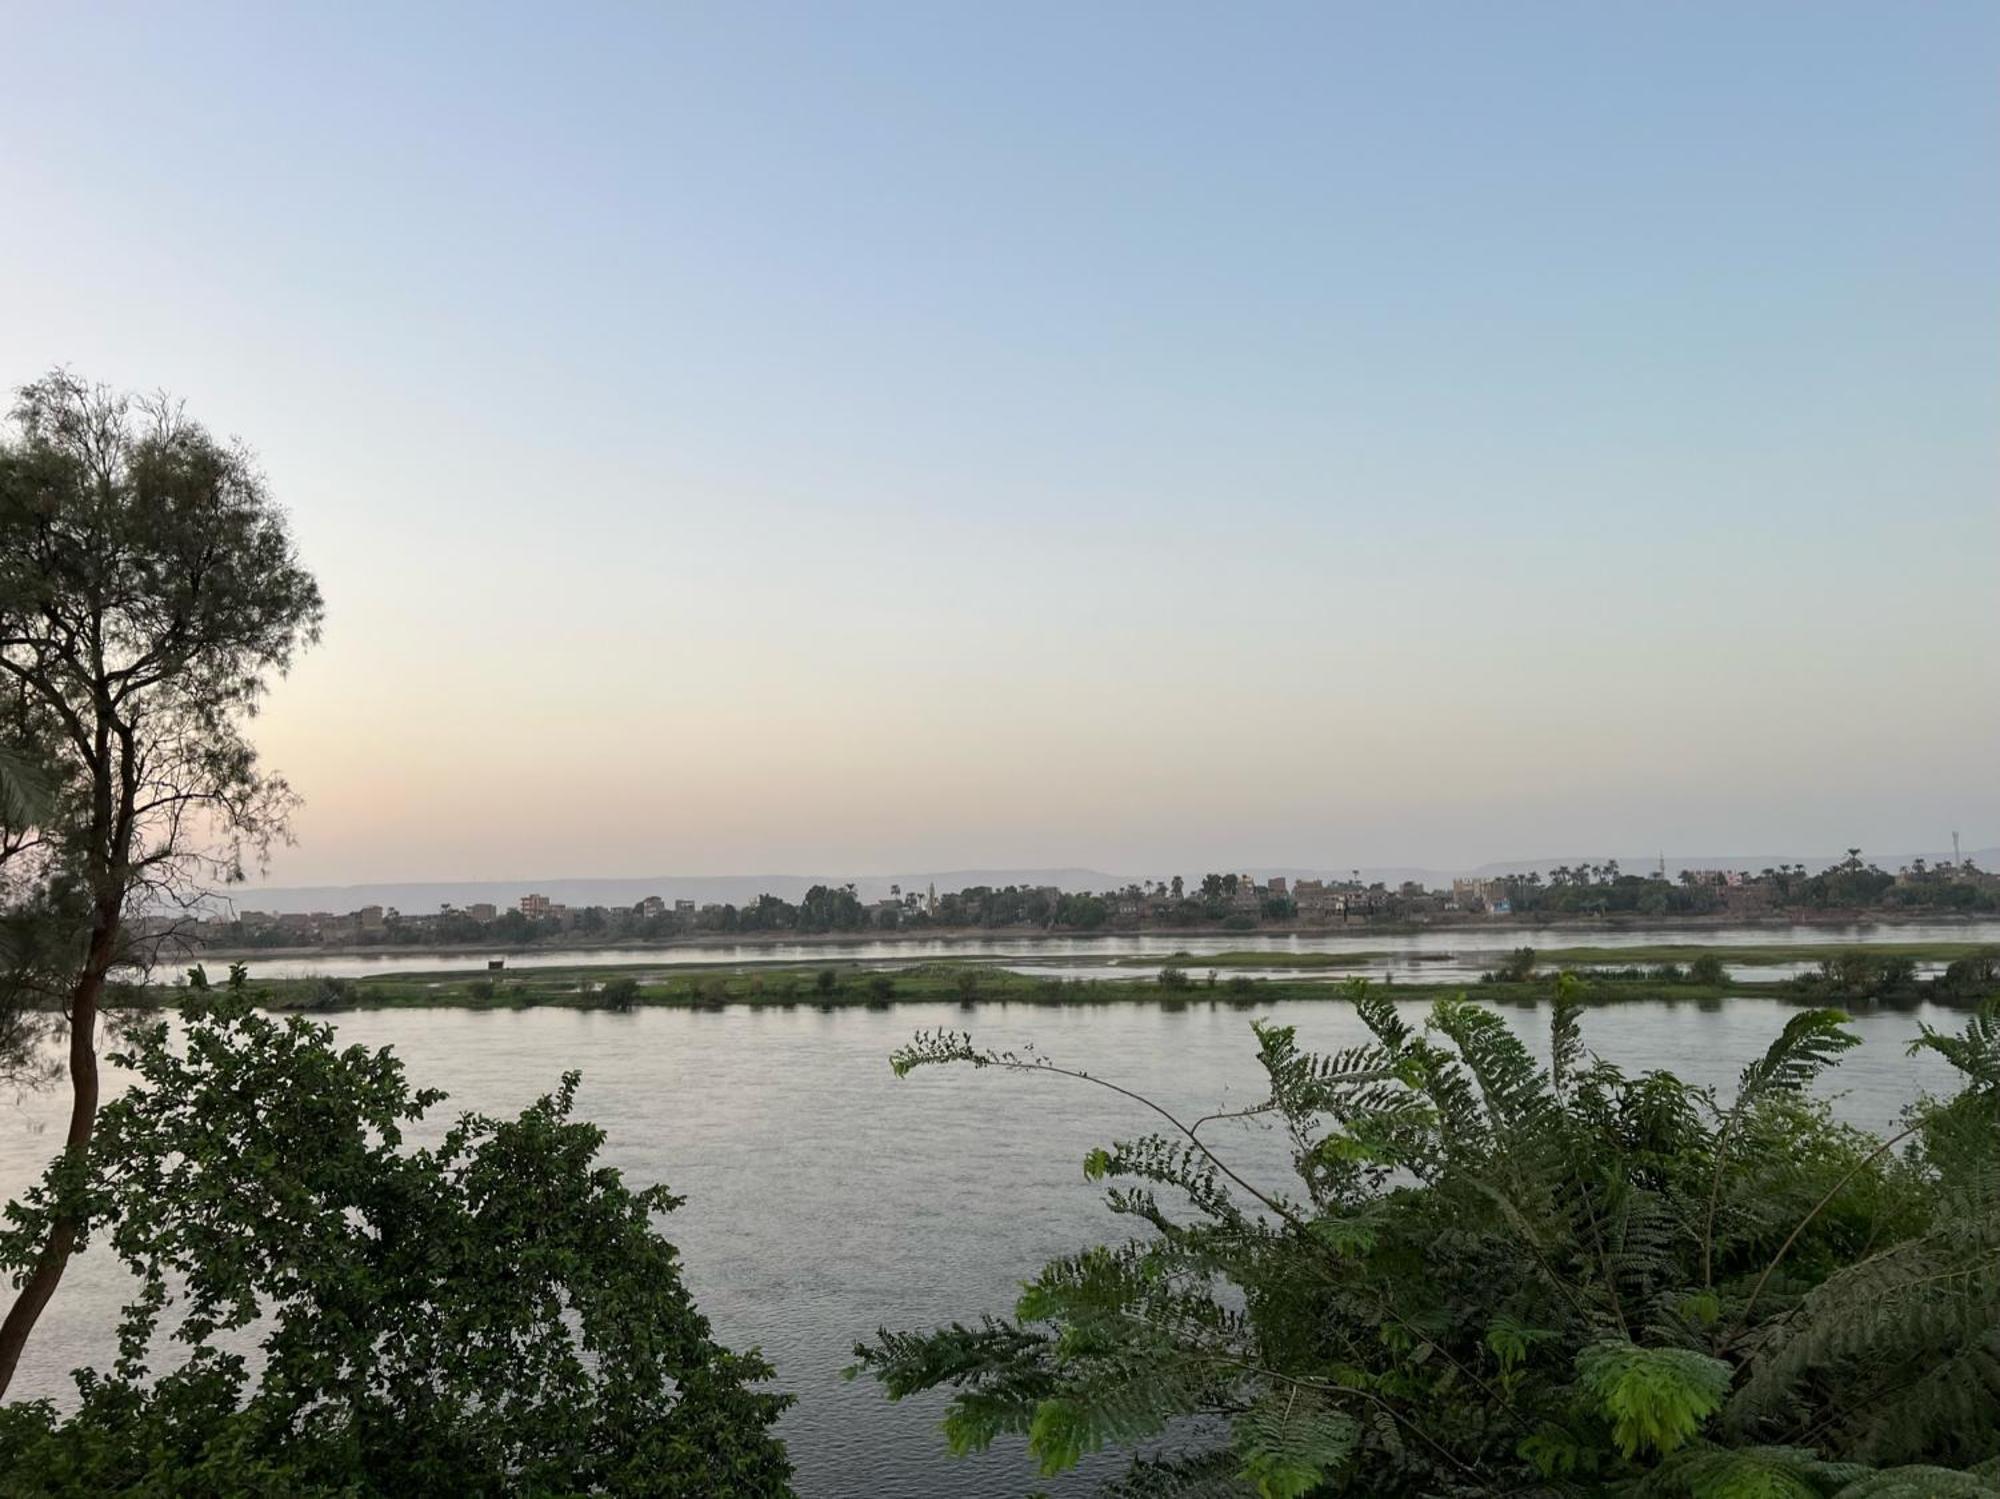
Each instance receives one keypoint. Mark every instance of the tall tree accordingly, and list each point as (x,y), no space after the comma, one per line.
(148,589)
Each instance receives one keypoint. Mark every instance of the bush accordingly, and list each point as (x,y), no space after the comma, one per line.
(881,987)
(328,993)
(1173,978)
(482,990)
(826,981)
(1708,971)
(1860,978)
(1494,1278)
(1972,977)
(619,994)
(494,1315)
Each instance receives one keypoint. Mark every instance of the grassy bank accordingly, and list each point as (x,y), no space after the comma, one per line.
(1748,955)
(835,986)
(1252,958)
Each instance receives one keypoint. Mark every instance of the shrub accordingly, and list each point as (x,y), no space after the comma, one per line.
(619,994)
(1494,1278)
(493,1315)
(327,992)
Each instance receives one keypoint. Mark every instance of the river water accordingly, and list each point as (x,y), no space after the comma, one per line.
(826,1197)
(1447,953)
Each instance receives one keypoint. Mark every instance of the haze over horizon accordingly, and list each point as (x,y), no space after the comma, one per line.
(1131,438)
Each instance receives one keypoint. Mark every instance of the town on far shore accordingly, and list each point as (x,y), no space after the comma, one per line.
(1225,902)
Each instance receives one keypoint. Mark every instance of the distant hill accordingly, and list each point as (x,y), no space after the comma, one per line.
(740,889)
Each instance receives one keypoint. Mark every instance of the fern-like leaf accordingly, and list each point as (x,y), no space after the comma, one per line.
(1655,1398)
(1290,1442)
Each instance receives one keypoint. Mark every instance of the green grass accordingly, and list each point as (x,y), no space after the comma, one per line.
(1576,957)
(1756,954)
(855,985)
(1250,958)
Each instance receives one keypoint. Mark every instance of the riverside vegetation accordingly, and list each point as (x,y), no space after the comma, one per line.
(497,1314)
(1877,975)
(1491,1278)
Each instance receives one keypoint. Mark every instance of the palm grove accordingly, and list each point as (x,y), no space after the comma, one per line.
(1488,1276)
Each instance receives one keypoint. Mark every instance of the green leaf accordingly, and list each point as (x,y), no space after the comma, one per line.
(1920,1483)
(1655,1398)
(1290,1443)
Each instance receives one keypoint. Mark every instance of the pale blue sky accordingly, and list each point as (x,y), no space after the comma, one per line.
(856,437)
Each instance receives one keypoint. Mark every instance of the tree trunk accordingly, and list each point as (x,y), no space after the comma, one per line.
(48,1269)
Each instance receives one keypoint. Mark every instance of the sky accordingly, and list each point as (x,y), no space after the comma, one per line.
(868,437)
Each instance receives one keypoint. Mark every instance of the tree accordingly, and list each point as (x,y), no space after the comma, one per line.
(38,920)
(1488,1277)
(495,1314)
(148,588)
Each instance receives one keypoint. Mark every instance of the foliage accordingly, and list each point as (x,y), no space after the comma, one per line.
(1859,977)
(148,589)
(1707,969)
(1490,1277)
(1656,1397)
(492,1315)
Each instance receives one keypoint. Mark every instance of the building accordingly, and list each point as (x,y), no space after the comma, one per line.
(482,911)
(1473,895)
(652,906)
(534,907)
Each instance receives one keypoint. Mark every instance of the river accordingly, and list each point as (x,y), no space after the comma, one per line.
(826,1197)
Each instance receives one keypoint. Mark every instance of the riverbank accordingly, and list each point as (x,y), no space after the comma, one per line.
(1736,954)
(852,986)
(856,984)
(1505,930)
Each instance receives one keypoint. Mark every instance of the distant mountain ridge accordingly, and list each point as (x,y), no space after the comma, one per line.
(427,895)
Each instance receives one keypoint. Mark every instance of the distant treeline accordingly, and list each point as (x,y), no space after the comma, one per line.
(1233,902)
(1851,885)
